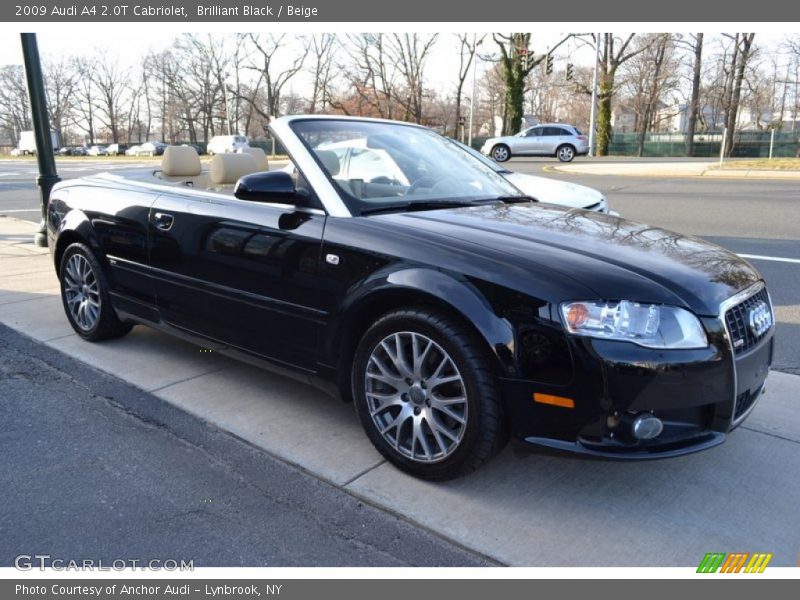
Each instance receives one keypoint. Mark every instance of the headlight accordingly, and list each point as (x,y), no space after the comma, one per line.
(649,325)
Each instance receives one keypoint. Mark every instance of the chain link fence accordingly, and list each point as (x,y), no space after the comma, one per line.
(747,144)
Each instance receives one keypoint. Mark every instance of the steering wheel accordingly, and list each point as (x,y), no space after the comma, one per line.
(424,181)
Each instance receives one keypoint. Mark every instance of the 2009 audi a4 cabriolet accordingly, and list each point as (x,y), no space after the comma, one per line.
(392,268)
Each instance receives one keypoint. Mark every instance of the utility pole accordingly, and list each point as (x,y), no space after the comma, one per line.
(48,176)
(593,113)
(472,97)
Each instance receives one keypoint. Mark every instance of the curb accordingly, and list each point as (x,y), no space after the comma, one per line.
(707,172)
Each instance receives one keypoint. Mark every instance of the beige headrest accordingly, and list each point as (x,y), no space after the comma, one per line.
(180,161)
(259,155)
(227,168)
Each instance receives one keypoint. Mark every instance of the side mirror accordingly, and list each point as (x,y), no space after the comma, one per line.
(267,186)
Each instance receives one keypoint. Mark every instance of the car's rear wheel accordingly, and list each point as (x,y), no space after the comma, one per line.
(501,153)
(84,293)
(425,394)
(565,153)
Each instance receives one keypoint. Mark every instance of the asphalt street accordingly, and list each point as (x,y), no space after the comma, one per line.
(753,217)
(96,469)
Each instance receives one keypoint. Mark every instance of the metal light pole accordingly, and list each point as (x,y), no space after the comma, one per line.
(227,105)
(472,97)
(48,176)
(593,113)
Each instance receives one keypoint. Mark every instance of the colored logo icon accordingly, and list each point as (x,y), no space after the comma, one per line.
(737,562)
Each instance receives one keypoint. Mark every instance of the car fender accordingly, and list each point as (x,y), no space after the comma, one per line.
(431,286)
(75,224)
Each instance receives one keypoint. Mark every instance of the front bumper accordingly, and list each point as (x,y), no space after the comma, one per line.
(699,395)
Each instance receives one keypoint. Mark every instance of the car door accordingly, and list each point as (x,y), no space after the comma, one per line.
(239,272)
(552,138)
(120,221)
(529,142)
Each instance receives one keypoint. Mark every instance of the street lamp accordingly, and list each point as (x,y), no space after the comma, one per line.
(48,176)
(472,98)
(593,112)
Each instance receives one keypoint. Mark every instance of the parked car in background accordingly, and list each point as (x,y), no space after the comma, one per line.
(548,190)
(453,309)
(565,142)
(15,152)
(151,149)
(220,144)
(197,148)
(116,149)
(133,151)
(97,150)
(78,150)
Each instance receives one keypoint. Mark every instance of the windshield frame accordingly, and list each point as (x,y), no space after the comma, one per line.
(359,207)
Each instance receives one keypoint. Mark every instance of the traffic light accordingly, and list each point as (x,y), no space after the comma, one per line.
(549,65)
(570,71)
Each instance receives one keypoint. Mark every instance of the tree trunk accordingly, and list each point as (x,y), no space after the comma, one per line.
(515,96)
(604,117)
(691,111)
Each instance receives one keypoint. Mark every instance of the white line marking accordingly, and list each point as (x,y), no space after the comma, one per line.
(20,210)
(794,261)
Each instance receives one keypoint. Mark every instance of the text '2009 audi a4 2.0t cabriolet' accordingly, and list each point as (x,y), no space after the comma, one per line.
(392,268)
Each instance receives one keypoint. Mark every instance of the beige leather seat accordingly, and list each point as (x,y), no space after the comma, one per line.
(226,169)
(259,155)
(181,165)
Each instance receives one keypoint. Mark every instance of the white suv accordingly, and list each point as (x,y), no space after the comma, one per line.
(220,144)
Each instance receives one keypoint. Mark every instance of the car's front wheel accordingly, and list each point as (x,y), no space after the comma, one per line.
(565,153)
(425,394)
(501,153)
(84,293)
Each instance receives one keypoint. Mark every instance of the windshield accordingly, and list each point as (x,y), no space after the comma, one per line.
(390,166)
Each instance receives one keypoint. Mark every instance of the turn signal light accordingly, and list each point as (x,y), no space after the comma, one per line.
(577,315)
(554,400)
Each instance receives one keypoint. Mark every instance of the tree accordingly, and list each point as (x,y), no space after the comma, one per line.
(111,83)
(59,84)
(648,77)
(517,61)
(740,55)
(14,107)
(323,47)
(410,52)
(86,96)
(468,47)
(614,52)
(269,49)
(371,75)
(693,107)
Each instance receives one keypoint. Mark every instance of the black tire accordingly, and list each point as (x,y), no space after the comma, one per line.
(565,153)
(484,433)
(501,153)
(106,325)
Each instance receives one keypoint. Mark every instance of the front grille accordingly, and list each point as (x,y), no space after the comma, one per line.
(737,320)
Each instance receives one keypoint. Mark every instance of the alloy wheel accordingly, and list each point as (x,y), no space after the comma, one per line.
(500,153)
(82,292)
(566,153)
(416,397)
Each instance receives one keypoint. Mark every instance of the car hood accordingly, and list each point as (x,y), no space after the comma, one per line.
(614,257)
(554,191)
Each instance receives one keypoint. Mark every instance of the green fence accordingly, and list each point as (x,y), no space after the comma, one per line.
(750,144)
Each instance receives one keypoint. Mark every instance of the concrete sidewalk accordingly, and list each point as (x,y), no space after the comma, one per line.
(524,508)
(670,169)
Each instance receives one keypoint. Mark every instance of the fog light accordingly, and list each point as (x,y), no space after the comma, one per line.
(646,427)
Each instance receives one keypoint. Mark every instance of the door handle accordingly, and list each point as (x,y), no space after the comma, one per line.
(163,220)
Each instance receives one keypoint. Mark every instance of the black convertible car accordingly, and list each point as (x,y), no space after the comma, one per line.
(392,268)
